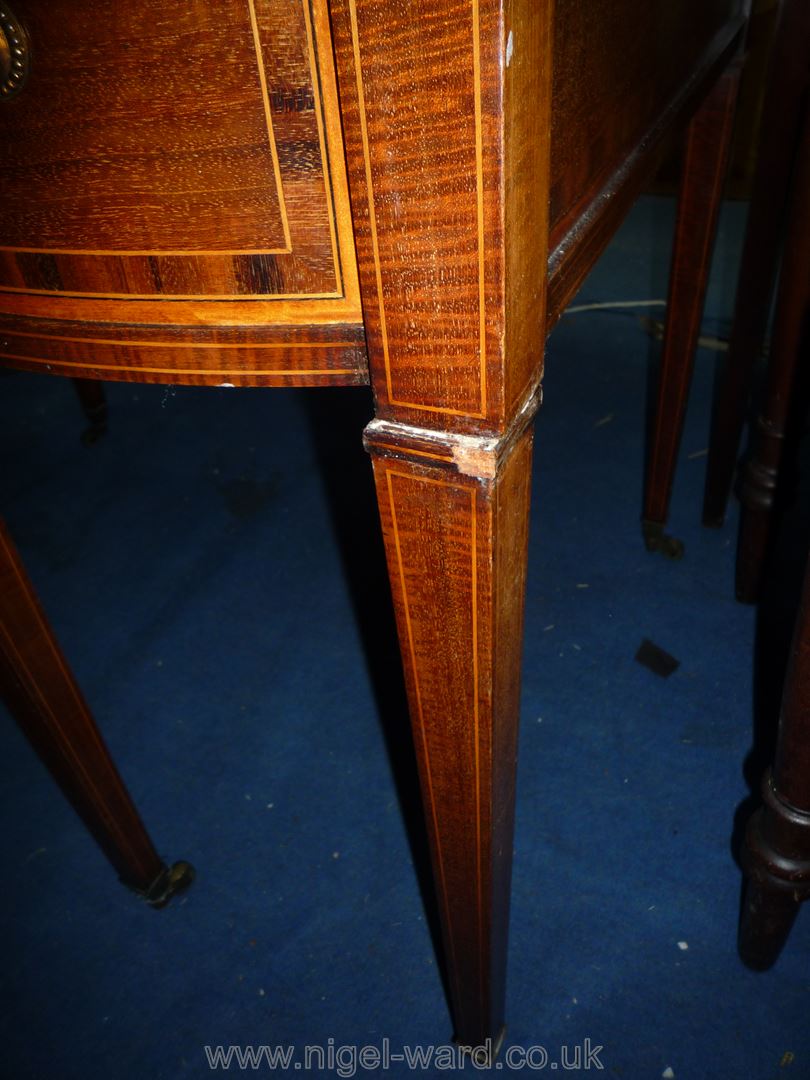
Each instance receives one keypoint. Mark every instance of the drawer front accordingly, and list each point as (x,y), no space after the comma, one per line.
(183,150)
(174,204)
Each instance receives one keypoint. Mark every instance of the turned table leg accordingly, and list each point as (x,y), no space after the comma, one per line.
(760,474)
(776,854)
(780,127)
(43,696)
(703,171)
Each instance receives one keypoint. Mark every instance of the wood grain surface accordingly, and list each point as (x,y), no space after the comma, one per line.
(456,548)
(617,132)
(175,151)
(447,145)
(616,63)
(179,168)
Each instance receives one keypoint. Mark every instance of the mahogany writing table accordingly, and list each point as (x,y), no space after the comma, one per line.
(303,192)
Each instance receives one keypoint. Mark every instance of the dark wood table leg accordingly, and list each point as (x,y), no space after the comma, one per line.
(456,548)
(43,696)
(780,127)
(760,473)
(94,403)
(703,171)
(776,854)
(450,210)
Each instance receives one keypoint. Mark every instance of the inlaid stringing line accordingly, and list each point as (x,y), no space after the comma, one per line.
(254,25)
(156,344)
(219,251)
(316,92)
(89,365)
(69,752)
(389,473)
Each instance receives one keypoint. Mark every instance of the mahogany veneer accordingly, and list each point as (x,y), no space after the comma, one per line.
(182,213)
(395,190)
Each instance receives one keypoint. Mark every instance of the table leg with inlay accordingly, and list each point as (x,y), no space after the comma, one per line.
(43,696)
(703,171)
(450,208)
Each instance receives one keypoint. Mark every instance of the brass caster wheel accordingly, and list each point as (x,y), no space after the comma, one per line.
(655,539)
(169,882)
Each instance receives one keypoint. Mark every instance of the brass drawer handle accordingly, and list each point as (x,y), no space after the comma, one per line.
(14,54)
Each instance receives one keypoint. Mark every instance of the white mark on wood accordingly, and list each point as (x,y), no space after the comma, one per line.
(475,457)
(229,385)
(510,47)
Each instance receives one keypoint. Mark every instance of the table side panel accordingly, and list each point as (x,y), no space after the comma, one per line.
(617,63)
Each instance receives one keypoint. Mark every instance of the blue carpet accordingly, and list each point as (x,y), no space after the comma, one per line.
(213,572)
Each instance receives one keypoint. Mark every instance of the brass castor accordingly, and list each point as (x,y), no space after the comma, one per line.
(655,539)
(169,882)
